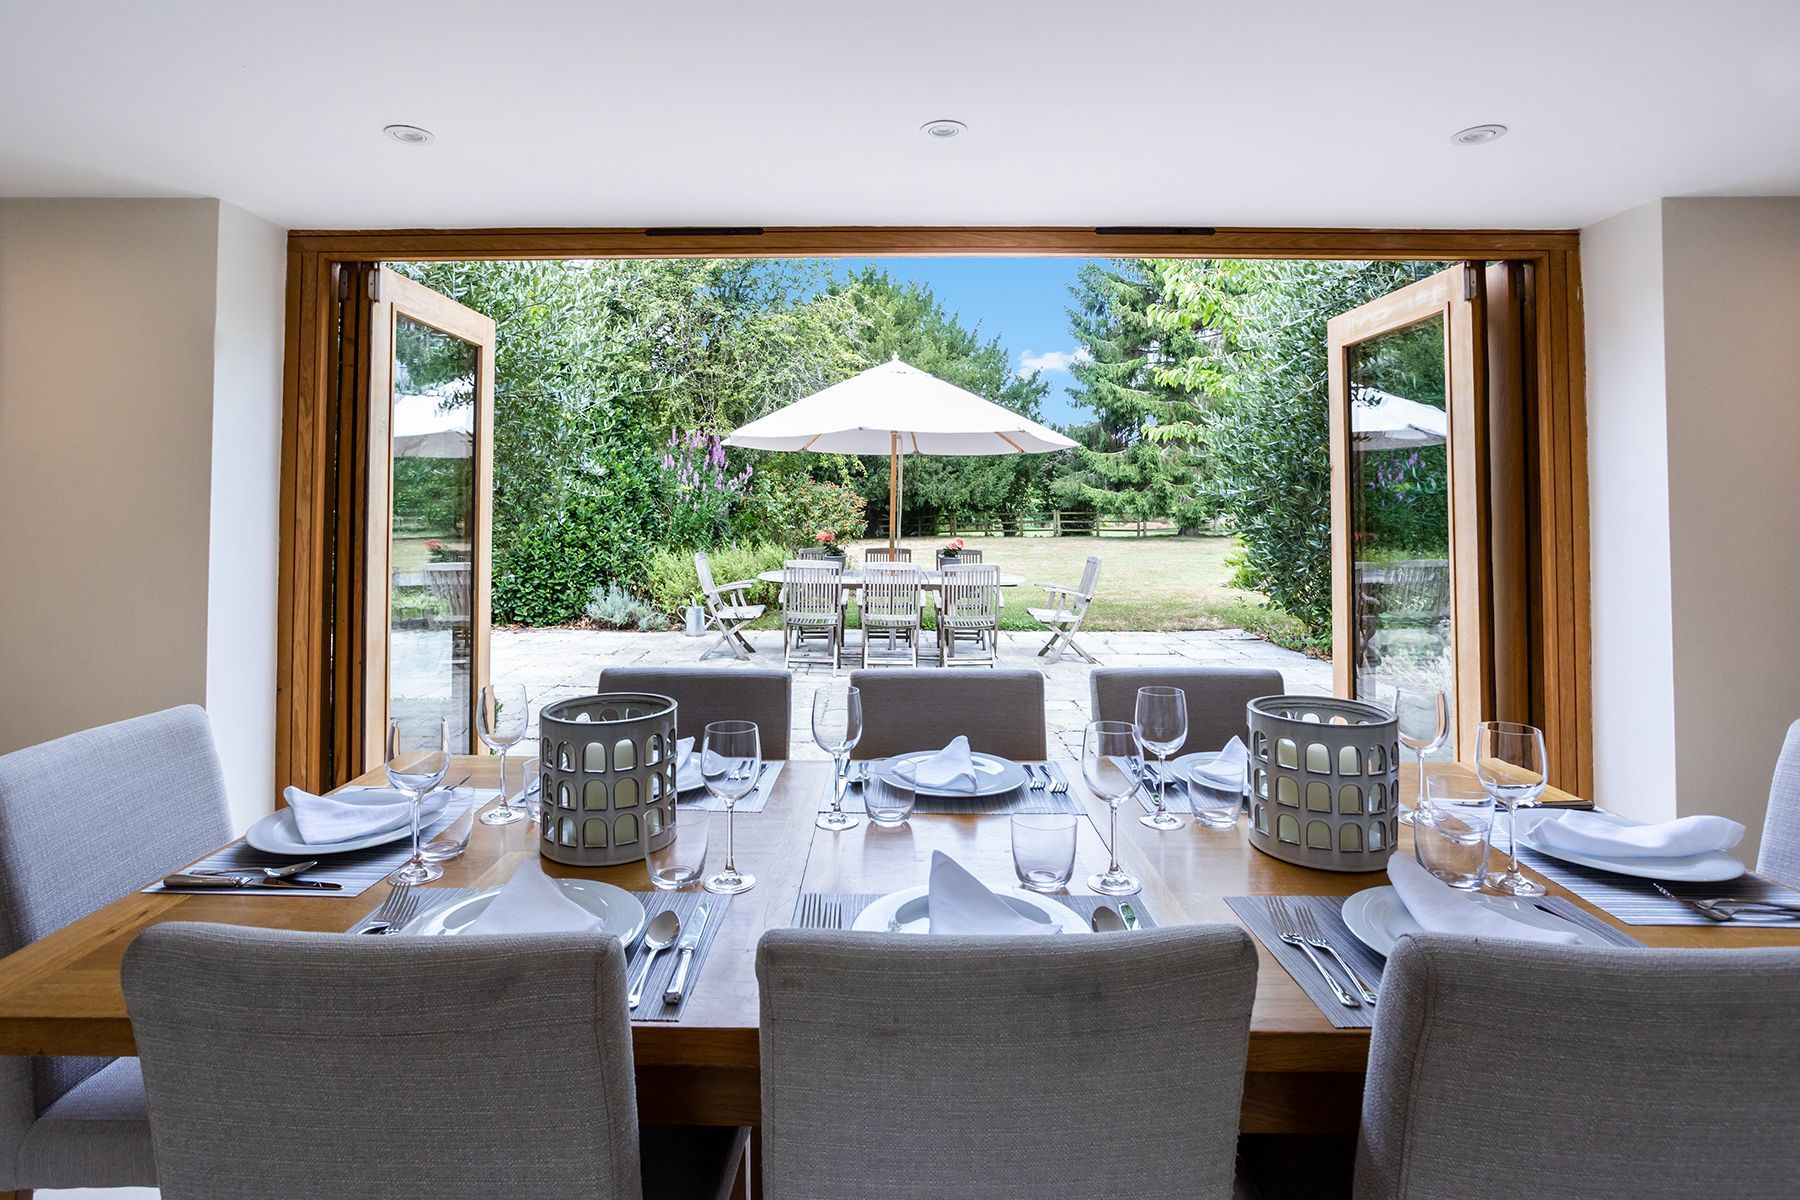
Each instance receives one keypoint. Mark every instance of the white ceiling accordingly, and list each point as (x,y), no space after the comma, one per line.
(745,112)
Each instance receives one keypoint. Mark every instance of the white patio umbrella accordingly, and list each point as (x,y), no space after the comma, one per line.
(897,410)
(1382,421)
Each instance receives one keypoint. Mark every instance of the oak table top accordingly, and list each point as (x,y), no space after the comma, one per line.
(61,995)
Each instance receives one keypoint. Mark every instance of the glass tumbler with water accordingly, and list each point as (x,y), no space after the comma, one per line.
(889,795)
(1454,827)
(681,861)
(1043,848)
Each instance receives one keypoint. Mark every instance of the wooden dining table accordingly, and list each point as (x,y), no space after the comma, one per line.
(61,995)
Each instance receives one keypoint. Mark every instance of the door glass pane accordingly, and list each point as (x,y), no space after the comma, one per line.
(432,585)
(1400,514)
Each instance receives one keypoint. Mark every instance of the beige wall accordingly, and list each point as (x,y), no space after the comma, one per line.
(1693,319)
(139,413)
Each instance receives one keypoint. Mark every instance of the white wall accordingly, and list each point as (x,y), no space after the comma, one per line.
(1693,317)
(139,405)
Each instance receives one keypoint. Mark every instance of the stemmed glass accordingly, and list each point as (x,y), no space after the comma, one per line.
(1108,752)
(1512,766)
(416,772)
(504,712)
(732,759)
(1162,729)
(837,726)
(1414,721)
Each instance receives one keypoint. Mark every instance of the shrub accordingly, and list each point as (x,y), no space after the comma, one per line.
(549,572)
(672,583)
(615,607)
(790,510)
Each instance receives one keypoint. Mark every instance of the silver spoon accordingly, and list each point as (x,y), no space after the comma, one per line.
(659,937)
(1107,920)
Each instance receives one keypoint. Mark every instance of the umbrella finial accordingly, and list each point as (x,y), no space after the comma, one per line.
(896,356)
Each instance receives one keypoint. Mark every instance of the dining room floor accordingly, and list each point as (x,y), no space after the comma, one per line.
(554,664)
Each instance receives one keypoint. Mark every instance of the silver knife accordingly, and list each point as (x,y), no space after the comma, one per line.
(1130,915)
(690,939)
(224,883)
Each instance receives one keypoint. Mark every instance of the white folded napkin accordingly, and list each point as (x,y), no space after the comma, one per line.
(688,775)
(948,767)
(532,902)
(352,814)
(961,903)
(1593,835)
(1440,908)
(1226,772)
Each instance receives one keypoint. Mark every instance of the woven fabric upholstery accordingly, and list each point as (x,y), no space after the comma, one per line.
(1636,1073)
(161,774)
(1001,711)
(708,694)
(1216,697)
(317,1066)
(966,1068)
(1779,857)
(97,1135)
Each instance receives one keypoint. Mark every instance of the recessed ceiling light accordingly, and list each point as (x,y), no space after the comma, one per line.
(1478,135)
(943,131)
(410,135)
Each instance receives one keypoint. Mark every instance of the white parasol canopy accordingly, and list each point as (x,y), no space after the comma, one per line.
(1382,421)
(896,409)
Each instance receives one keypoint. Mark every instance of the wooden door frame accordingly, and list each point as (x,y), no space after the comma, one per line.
(311,470)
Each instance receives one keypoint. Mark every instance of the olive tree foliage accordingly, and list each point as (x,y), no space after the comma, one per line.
(1263,360)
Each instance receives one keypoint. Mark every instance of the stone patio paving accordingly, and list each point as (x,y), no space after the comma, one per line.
(555,664)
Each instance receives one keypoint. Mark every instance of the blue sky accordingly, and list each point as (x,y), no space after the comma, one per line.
(1022,301)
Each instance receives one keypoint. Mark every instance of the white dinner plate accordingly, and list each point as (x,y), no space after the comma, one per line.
(1378,917)
(912,909)
(1715,866)
(621,913)
(994,776)
(1183,769)
(277,833)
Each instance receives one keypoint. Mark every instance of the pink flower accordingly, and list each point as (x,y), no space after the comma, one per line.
(825,537)
(433,544)
(954,544)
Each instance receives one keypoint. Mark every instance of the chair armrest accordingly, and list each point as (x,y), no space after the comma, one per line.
(739,585)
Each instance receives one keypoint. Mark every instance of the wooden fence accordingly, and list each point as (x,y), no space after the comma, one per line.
(1058,523)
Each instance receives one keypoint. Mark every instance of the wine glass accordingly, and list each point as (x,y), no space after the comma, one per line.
(837,726)
(1108,752)
(415,772)
(1512,766)
(504,712)
(1424,723)
(732,760)
(1162,729)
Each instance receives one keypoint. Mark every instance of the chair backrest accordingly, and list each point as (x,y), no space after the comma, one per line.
(894,1067)
(890,593)
(703,570)
(905,709)
(824,553)
(1216,697)
(1779,857)
(882,554)
(969,595)
(320,1066)
(707,694)
(1090,577)
(1631,1073)
(158,777)
(813,592)
(963,556)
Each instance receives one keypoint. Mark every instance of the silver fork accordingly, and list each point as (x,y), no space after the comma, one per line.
(1058,784)
(395,911)
(1728,909)
(1315,937)
(1287,931)
(1031,776)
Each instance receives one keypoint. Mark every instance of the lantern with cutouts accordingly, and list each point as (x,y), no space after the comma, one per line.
(1324,779)
(608,770)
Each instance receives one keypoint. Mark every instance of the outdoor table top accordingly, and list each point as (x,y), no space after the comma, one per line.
(61,995)
(927,578)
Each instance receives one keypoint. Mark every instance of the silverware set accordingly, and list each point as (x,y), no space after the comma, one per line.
(1298,927)
(1729,908)
(1047,777)
(401,905)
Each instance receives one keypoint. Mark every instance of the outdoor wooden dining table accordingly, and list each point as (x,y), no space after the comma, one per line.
(61,995)
(929,580)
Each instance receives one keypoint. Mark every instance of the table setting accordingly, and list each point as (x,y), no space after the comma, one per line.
(692,770)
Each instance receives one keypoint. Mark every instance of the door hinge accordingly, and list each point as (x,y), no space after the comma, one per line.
(375,286)
(1471,280)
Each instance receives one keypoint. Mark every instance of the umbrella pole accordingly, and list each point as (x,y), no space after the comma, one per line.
(893,493)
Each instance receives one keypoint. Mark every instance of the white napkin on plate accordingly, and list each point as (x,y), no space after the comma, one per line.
(948,767)
(1226,772)
(532,902)
(321,820)
(688,774)
(1592,835)
(1440,908)
(961,903)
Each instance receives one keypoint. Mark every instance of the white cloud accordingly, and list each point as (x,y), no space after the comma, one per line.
(1051,360)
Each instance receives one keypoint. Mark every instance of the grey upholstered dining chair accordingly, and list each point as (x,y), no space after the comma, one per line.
(1001,711)
(707,694)
(970,1068)
(315,1066)
(1779,857)
(81,1122)
(1500,1069)
(1216,697)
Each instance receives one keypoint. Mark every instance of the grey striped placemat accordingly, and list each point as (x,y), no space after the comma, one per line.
(1637,902)
(839,910)
(358,871)
(1025,801)
(1178,800)
(702,800)
(651,1007)
(1254,912)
